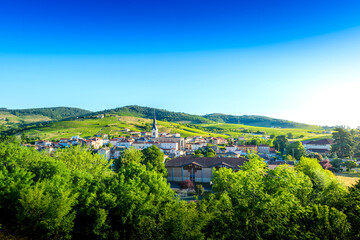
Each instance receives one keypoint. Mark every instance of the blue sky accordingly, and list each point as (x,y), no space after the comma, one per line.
(297,60)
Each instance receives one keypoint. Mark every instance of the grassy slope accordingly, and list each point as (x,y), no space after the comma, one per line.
(114,125)
(347,178)
(235,130)
(26,119)
(21,117)
(259,121)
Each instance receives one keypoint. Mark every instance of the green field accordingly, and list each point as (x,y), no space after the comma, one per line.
(115,125)
(236,130)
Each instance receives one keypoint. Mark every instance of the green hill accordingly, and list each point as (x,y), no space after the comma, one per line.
(53,123)
(115,125)
(163,115)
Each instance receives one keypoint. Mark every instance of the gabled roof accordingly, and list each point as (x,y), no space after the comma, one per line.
(206,162)
(231,146)
(192,163)
(222,163)
(321,142)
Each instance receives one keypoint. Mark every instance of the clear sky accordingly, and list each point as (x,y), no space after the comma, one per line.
(296,60)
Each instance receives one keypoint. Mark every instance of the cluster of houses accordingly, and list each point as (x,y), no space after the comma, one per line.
(182,166)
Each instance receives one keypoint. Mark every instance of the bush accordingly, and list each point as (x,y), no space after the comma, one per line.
(199,189)
(186,184)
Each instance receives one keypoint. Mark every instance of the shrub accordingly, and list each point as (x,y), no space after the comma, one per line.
(199,189)
(186,184)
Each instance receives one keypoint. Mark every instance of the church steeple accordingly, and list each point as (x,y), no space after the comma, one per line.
(154,130)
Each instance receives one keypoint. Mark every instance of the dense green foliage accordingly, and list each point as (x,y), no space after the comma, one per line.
(344,144)
(296,150)
(76,195)
(280,143)
(151,157)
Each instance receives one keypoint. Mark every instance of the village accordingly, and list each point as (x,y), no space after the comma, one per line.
(181,153)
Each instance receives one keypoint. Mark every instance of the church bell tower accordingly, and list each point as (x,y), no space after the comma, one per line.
(154,130)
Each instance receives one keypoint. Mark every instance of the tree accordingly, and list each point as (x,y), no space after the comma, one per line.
(153,159)
(336,163)
(210,153)
(318,156)
(326,187)
(296,149)
(186,184)
(126,157)
(343,143)
(326,164)
(280,143)
(198,153)
(349,165)
(47,210)
(290,158)
(290,135)
(254,141)
(259,203)
(199,189)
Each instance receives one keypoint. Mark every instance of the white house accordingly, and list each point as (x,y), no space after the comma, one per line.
(196,146)
(124,143)
(116,152)
(231,148)
(263,148)
(142,145)
(104,152)
(169,145)
(323,145)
